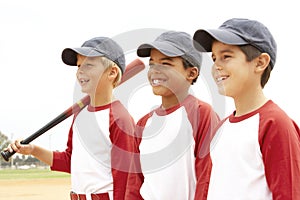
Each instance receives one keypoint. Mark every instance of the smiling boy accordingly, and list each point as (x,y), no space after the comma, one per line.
(170,137)
(255,153)
(101,135)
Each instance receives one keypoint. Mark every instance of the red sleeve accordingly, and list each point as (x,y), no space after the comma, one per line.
(62,160)
(136,178)
(123,151)
(280,146)
(207,121)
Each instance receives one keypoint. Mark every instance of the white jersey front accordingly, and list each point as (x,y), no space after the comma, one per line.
(167,157)
(91,163)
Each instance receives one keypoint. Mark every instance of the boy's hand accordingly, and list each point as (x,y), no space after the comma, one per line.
(25,149)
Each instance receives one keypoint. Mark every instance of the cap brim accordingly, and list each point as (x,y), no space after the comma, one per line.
(203,38)
(144,50)
(69,55)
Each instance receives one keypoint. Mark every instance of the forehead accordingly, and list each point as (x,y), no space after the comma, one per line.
(81,58)
(219,47)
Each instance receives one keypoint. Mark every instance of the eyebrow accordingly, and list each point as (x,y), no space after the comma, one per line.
(226,51)
(163,59)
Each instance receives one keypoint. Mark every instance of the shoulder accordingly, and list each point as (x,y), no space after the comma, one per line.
(119,115)
(272,115)
(275,124)
(192,103)
(119,110)
(143,120)
(197,108)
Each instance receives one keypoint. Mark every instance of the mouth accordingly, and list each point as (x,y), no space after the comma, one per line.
(222,78)
(83,81)
(157,81)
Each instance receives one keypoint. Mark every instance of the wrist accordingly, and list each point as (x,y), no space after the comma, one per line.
(31,149)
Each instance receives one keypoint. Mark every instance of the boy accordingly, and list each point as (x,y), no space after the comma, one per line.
(170,136)
(100,136)
(255,152)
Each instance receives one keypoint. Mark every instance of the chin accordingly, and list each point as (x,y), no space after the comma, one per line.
(222,91)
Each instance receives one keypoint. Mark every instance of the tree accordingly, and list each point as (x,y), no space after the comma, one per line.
(4,142)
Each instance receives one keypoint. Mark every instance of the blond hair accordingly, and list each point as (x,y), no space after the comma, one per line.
(108,64)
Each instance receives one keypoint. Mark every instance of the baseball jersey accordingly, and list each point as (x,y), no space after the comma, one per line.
(169,142)
(255,156)
(98,150)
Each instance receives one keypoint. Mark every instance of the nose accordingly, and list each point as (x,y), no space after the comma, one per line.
(154,68)
(217,66)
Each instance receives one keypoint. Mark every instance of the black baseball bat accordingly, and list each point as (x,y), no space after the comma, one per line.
(131,70)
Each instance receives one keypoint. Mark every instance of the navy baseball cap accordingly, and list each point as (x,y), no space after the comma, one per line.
(98,46)
(238,31)
(173,44)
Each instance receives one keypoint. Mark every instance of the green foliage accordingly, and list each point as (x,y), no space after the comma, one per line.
(4,141)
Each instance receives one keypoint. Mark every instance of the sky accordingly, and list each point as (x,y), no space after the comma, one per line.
(36,86)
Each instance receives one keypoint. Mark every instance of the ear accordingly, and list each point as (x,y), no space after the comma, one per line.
(192,73)
(262,62)
(113,72)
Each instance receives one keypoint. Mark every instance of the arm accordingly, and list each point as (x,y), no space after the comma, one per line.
(40,153)
(122,137)
(207,124)
(280,146)
(135,176)
(62,160)
(58,161)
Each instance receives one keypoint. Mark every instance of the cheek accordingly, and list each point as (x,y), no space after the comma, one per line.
(148,75)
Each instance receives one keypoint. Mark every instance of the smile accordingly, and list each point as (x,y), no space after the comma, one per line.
(157,82)
(83,81)
(221,78)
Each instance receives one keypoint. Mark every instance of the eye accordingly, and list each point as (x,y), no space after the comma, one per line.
(226,56)
(165,63)
(213,58)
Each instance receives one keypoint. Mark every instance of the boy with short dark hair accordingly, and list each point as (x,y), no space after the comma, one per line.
(255,152)
(170,137)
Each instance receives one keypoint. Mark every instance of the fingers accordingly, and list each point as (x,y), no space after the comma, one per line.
(15,146)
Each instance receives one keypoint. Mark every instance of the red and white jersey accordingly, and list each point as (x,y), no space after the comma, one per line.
(170,141)
(99,146)
(256,156)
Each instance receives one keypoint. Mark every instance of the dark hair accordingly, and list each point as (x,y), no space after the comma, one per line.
(187,64)
(252,52)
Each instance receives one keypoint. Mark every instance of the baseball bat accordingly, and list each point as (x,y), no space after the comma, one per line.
(131,70)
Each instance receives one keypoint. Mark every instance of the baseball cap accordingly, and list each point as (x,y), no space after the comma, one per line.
(238,31)
(173,44)
(98,46)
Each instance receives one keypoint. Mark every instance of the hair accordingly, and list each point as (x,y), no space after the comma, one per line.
(187,64)
(252,52)
(107,63)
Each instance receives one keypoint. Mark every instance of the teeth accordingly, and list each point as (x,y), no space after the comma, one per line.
(221,78)
(156,81)
(83,81)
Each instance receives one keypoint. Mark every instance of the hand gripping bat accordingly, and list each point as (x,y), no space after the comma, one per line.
(131,70)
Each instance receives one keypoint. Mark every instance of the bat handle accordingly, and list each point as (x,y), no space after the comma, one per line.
(7,154)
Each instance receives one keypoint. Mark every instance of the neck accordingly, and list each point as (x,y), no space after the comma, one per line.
(101,99)
(173,100)
(249,102)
